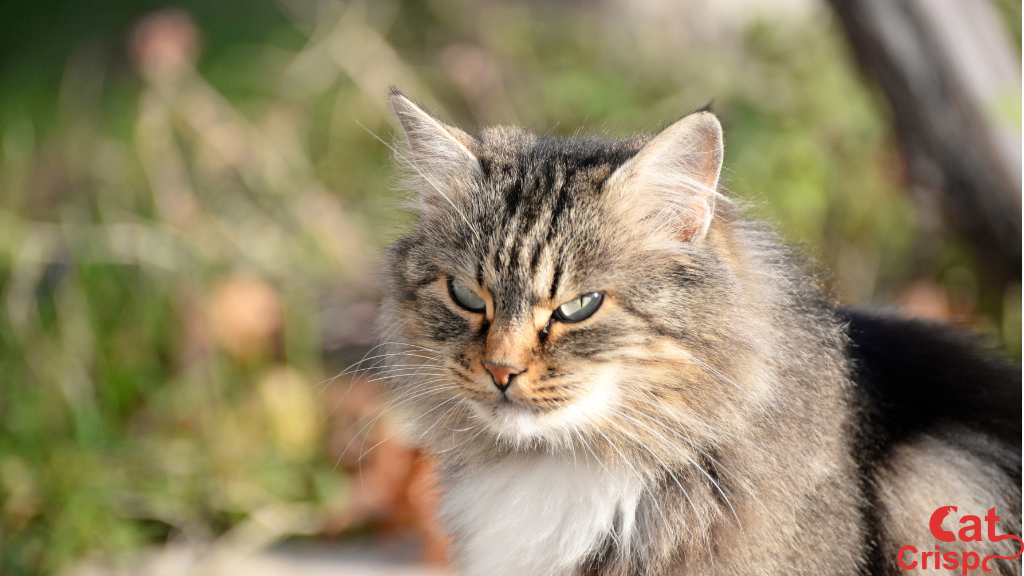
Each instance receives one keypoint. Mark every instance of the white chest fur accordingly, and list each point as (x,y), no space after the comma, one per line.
(537,516)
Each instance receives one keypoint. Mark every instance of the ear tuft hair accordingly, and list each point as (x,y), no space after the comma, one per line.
(709,107)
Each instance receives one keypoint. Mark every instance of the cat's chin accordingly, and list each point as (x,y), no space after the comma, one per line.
(511,419)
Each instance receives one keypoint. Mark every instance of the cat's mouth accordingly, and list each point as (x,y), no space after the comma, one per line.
(506,408)
(513,419)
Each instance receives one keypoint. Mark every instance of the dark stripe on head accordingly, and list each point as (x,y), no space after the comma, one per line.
(564,199)
(557,277)
(540,187)
(427,280)
(513,196)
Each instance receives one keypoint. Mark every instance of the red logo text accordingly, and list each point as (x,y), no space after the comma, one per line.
(909,557)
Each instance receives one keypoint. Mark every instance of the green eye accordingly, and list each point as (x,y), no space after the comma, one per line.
(579,308)
(465,297)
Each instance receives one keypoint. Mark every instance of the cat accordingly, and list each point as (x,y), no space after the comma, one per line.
(619,374)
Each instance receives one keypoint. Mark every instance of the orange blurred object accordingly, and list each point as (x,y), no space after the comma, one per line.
(393,485)
(165,43)
(246,317)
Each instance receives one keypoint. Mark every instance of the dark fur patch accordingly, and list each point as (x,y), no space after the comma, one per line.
(921,375)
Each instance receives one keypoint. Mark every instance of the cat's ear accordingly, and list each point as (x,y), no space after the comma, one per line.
(440,154)
(672,182)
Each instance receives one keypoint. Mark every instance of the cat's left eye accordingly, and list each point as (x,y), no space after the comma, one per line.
(579,308)
(465,297)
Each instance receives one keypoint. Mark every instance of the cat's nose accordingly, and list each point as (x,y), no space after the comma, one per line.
(501,374)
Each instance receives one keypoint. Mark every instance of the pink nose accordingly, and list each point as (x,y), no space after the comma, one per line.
(501,374)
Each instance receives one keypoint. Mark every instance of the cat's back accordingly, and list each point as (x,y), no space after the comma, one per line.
(939,425)
(922,377)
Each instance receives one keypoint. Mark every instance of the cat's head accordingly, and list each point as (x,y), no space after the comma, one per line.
(559,291)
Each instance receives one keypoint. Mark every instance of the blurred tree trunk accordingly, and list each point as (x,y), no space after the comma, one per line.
(945,66)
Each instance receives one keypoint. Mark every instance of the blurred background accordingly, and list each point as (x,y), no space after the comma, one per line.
(194,197)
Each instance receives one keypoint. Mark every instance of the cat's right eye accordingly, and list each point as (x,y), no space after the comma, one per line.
(579,308)
(465,297)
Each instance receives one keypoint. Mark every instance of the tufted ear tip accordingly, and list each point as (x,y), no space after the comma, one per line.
(705,123)
(401,105)
(404,109)
(709,107)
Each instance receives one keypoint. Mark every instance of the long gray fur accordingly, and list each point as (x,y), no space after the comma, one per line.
(718,414)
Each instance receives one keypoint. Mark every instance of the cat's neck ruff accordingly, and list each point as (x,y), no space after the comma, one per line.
(542,514)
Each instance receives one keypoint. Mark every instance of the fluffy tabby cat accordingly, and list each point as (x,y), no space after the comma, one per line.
(620,375)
